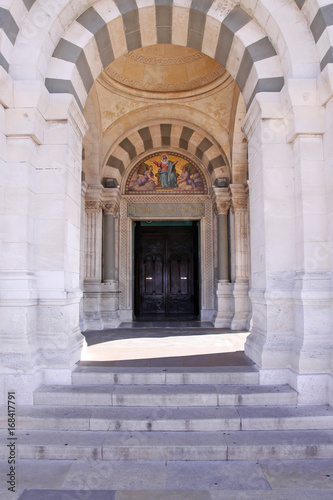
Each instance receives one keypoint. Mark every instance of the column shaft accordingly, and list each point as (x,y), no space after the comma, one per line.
(223,251)
(109,273)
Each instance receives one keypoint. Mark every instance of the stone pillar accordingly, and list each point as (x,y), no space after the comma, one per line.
(109,298)
(272,219)
(39,328)
(324,250)
(224,310)
(222,209)
(93,241)
(109,269)
(239,205)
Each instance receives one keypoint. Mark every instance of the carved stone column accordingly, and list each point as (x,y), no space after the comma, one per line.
(239,207)
(223,308)
(109,270)
(93,241)
(222,209)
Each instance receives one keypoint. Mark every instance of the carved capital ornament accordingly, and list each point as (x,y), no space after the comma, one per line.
(93,206)
(239,204)
(110,209)
(222,207)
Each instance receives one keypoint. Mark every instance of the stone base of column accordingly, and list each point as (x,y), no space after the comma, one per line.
(242,306)
(312,347)
(224,307)
(312,388)
(271,337)
(101,306)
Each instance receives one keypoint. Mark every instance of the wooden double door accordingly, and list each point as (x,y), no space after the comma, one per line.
(166,270)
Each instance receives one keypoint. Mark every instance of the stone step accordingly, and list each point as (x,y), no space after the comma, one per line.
(95,375)
(136,419)
(165,395)
(171,446)
(251,494)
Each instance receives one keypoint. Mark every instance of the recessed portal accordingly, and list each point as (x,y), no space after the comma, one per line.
(166,270)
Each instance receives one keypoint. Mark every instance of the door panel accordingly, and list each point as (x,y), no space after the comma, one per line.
(166,271)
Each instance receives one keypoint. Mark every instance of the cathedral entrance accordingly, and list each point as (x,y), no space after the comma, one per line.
(166,270)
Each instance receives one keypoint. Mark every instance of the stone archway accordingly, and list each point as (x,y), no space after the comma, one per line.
(285,126)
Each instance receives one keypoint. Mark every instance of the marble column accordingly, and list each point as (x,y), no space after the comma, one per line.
(239,207)
(109,269)
(93,241)
(222,209)
(224,310)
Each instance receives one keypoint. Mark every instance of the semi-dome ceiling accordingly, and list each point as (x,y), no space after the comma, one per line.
(164,69)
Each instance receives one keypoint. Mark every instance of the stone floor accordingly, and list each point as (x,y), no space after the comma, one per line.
(73,480)
(160,346)
(185,480)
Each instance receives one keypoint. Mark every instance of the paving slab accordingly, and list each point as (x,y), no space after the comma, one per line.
(159,446)
(162,395)
(53,417)
(70,395)
(271,495)
(286,417)
(299,474)
(164,419)
(67,495)
(165,375)
(216,476)
(288,445)
(163,495)
(116,475)
(238,395)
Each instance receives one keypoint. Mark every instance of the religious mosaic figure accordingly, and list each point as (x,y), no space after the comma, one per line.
(167,172)
(145,179)
(188,179)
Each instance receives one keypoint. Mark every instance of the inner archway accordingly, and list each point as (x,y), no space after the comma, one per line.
(154,103)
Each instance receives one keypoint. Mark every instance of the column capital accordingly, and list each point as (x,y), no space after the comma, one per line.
(239,200)
(222,207)
(93,206)
(239,204)
(110,208)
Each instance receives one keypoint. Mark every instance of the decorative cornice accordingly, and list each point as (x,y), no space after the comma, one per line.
(165,87)
(167,61)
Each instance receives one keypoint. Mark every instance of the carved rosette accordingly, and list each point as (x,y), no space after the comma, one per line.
(239,204)
(222,207)
(93,206)
(111,209)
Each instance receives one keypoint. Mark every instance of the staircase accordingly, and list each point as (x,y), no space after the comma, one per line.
(170,414)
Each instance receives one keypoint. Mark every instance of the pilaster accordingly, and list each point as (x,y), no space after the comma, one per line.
(224,306)
(239,207)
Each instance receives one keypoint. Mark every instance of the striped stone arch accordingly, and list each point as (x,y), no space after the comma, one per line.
(320,21)
(169,135)
(110,29)
(11,19)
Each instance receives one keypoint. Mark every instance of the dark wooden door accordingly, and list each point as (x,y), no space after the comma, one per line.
(166,274)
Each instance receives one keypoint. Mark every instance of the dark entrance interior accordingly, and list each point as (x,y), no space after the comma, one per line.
(166,270)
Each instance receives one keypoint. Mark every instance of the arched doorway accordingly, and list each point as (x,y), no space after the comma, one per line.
(182,106)
(278,58)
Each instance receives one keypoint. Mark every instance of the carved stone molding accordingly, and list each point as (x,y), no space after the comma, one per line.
(222,207)
(93,206)
(111,209)
(239,204)
(160,61)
